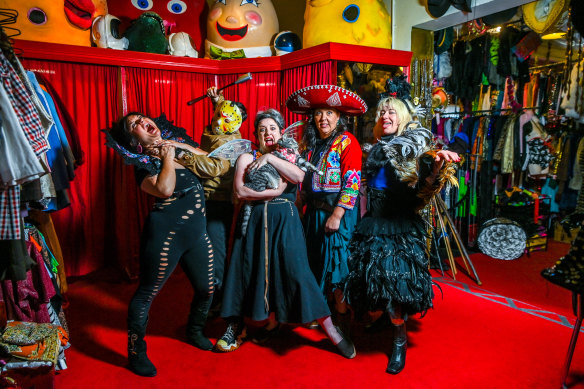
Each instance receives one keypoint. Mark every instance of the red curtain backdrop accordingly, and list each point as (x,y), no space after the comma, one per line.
(152,92)
(103,223)
(90,94)
(302,76)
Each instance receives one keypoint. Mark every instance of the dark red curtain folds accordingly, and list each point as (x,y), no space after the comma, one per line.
(90,94)
(103,223)
(153,92)
(302,76)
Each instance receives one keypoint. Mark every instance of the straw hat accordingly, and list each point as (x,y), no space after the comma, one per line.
(544,15)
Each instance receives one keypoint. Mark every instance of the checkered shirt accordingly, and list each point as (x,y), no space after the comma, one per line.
(23,107)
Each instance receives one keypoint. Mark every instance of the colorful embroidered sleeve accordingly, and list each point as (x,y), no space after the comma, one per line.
(350,161)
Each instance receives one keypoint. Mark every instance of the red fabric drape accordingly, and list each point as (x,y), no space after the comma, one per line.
(302,76)
(153,92)
(90,94)
(107,209)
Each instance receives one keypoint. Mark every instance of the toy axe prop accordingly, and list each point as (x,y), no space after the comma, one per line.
(243,78)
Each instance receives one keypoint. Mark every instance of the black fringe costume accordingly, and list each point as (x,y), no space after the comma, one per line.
(388,264)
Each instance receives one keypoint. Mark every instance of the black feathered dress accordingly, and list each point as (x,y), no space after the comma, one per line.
(388,265)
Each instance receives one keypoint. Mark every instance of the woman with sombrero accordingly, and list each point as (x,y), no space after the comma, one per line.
(332,206)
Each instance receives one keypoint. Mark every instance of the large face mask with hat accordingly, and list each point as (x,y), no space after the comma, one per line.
(227,118)
(314,97)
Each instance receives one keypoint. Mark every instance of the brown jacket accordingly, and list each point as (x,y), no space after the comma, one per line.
(218,188)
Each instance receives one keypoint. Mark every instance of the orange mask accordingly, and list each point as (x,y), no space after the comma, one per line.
(55,21)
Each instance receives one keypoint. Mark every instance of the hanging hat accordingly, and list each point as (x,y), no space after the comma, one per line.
(437,8)
(544,15)
(463,5)
(326,96)
(499,18)
(443,40)
(578,15)
(439,98)
(502,238)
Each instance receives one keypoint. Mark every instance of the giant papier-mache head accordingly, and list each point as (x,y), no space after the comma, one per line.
(228,118)
(358,22)
(236,24)
(55,21)
(178,15)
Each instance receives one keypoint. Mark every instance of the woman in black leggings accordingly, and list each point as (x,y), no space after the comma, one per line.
(175,230)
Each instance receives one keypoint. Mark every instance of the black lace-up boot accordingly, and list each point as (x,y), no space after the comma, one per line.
(139,362)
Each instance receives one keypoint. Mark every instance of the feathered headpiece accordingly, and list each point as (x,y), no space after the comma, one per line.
(399,88)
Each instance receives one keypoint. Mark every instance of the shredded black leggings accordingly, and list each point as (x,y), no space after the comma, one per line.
(175,231)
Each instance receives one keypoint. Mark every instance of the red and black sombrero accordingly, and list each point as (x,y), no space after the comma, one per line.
(326,96)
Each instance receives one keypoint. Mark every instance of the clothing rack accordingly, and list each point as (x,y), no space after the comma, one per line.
(547,66)
(491,111)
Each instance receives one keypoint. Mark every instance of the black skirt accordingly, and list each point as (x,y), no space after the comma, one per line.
(291,290)
(388,266)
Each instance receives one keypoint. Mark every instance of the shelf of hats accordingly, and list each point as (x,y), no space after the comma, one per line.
(509,85)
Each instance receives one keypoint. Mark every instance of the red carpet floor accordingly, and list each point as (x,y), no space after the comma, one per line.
(469,340)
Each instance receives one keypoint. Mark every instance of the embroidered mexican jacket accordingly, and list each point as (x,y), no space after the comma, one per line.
(341,168)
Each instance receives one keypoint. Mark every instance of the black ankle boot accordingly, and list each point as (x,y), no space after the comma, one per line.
(398,354)
(139,362)
(196,323)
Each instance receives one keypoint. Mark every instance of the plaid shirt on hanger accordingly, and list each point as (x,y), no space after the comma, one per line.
(23,107)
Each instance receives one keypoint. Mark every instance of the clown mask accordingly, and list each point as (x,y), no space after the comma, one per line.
(227,119)
(236,24)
